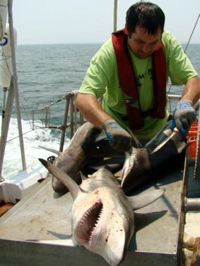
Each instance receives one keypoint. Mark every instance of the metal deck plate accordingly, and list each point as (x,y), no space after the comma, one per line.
(44,216)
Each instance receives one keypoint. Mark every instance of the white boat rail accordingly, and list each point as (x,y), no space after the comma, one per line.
(13,93)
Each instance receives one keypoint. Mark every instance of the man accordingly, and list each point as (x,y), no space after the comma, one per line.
(130,74)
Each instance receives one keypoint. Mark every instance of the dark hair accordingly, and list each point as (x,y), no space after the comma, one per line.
(146,15)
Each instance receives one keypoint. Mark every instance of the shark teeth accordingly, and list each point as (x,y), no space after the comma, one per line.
(95,233)
(89,222)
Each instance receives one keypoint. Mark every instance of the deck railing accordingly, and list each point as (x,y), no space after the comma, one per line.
(72,118)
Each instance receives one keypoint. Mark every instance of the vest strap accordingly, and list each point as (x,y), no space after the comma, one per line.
(128,81)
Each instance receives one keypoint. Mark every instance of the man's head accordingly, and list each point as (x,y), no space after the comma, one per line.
(144,27)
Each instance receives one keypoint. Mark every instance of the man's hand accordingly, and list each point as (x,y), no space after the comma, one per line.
(119,138)
(184,115)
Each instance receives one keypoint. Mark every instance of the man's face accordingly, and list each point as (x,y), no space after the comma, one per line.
(143,44)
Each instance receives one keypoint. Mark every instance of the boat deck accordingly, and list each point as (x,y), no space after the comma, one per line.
(43,215)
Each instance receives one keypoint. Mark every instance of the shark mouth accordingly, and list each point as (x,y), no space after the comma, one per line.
(88,224)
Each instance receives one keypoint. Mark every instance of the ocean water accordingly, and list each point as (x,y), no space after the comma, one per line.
(51,71)
(45,74)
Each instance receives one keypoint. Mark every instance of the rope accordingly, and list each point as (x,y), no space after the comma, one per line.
(66,97)
(188,43)
(21,135)
(48,106)
(192,33)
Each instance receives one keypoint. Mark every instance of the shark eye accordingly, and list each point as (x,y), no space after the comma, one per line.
(89,221)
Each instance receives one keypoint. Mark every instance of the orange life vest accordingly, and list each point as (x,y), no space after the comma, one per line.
(128,82)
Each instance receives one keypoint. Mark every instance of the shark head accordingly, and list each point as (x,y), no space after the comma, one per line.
(141,164)
(102,217)
(102,221)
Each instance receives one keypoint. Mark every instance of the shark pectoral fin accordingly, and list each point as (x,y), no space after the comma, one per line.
(51,150)
(145,198)
(63,177)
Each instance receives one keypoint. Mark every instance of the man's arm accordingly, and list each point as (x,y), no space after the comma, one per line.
(91,109)
(192,90)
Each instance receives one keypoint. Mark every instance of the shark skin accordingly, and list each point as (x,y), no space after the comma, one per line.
(73,159)
(102,218)
(141,163)
(88,148)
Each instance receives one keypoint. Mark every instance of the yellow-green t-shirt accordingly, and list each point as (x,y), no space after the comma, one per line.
(102,81)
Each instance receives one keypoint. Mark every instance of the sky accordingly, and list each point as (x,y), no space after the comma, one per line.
(91,21)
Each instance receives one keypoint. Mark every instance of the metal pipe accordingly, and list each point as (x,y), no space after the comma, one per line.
(174,96)
(115,16)
(10,2)
(5,126)
(4,106)
(62,139)
(192,204)
(72,118)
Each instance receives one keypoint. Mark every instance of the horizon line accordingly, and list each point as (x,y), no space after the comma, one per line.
(81,43)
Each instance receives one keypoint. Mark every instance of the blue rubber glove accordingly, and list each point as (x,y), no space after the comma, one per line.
(183,116)
(118,137)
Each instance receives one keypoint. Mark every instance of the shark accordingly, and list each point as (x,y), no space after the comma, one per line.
(102,216)
(89,150)
(141,164)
